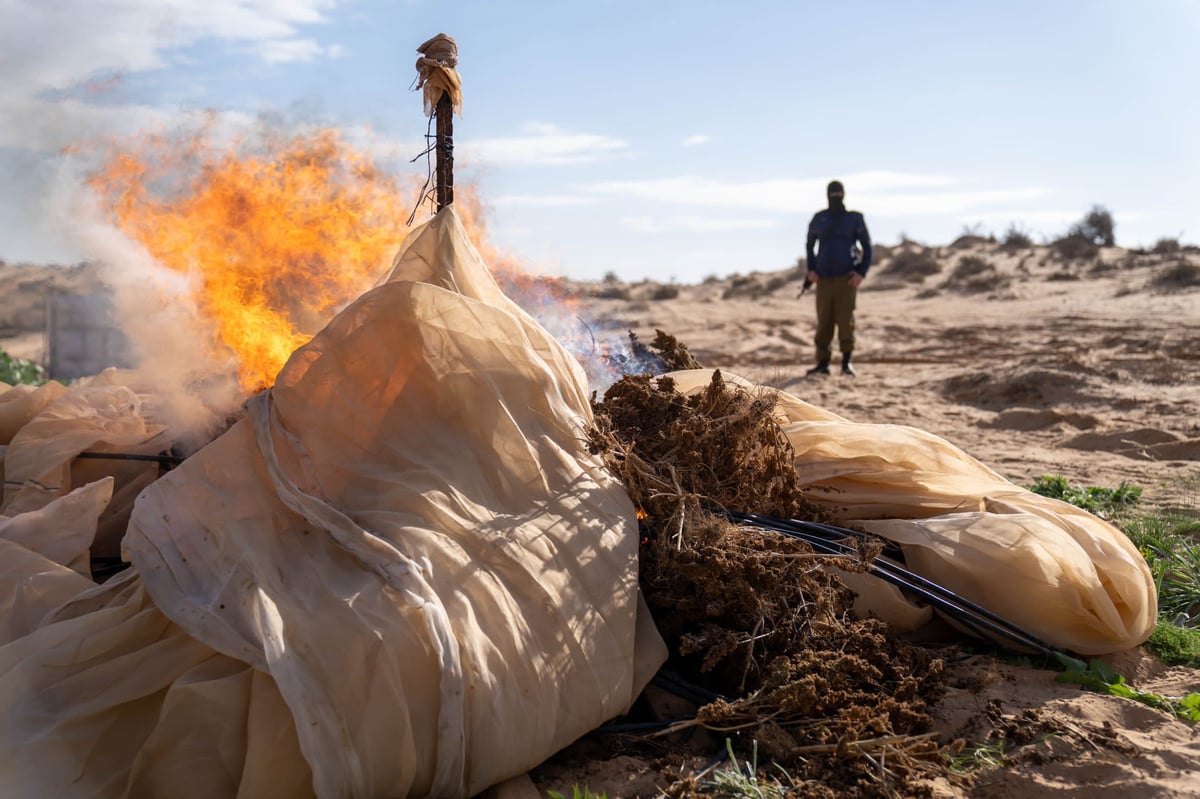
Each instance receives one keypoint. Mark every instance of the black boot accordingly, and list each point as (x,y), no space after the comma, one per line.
(821,368)
(847,369)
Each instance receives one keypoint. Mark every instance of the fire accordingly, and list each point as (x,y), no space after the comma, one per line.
(275,236)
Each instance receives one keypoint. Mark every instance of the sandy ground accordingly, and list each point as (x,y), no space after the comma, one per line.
(1088,369)
(1036,366)
(1091,371)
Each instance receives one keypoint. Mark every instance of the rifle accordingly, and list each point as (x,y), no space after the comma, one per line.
(807,285)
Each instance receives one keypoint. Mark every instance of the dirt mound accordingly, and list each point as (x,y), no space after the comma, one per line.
(1143,443)
(1040,419)
(1029,386)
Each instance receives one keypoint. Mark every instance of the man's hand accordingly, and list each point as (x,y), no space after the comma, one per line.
(812,277)
(855,280)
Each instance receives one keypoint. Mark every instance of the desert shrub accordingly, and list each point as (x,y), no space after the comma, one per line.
(742,286)
(881,252)
(710,279)
(664,292)
(19,370)
(1095,227)
(612,292)
(971,266)
(974,274)
(776,283)
(968,240)
(611,277)
(913,266)
(1074,247)
(1166,246)
(1016,239)
(1180,275)
(1101,267)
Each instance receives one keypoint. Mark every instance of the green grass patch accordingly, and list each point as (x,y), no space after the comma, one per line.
(1171,546)
(1104,502)
(19,370)
(1175,646)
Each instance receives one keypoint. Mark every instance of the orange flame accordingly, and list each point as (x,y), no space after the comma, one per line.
(276,239)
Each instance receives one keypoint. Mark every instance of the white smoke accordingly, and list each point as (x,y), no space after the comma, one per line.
(187,384)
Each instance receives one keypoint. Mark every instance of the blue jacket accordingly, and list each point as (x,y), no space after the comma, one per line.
(838,232)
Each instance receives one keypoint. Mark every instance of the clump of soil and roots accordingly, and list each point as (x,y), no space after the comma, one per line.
(755,617)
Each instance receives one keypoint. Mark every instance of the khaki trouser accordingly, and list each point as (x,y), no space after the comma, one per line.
(835,306)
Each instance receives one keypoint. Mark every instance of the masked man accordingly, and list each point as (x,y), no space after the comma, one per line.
(839,254)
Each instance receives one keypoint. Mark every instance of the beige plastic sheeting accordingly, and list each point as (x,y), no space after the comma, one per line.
(1057,571)
(401,574)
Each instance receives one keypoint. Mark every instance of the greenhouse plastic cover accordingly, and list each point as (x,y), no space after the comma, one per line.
(400,574)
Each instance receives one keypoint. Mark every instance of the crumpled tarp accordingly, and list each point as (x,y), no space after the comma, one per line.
(1055,570)
(400,574)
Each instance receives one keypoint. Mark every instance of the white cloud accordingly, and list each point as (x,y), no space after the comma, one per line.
(879,193)
(284,51)
(540,200)
(692,224)
(541,145)
(1043,217)
(696,139)
(57,45)
(60,46)
(944,202)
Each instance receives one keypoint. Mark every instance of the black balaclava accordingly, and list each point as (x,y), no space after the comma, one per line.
(836,194)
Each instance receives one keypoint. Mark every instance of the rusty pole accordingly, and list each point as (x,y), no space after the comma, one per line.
(444,149)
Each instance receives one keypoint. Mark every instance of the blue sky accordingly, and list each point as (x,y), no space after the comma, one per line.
(669,140)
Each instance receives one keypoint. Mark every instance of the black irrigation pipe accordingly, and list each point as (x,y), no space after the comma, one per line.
(827,538)
(978,619)
(696,694)
(162,460)
(638,726)
(834,535)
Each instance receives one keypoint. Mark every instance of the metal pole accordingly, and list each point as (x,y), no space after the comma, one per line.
(445,151)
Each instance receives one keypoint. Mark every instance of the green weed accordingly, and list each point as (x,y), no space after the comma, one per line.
(980,757)
(1175,646)
(743,780)
(1171,546)
(1097,675)
(1104,502)
(578,793)
(18,370)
